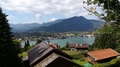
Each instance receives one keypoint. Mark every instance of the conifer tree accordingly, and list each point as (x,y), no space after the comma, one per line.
(26,45)
(8,53)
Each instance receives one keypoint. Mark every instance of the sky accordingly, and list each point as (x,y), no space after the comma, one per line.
(42,11)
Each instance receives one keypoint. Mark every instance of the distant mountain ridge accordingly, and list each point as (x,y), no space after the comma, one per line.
(71,24)
(23,27)
(61,25)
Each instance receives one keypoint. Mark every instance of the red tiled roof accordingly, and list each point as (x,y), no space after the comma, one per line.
(78,45)
(103,54)
(54,46)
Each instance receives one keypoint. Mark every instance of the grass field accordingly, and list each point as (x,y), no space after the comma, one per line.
(80,62)
(77,54)
(71,52)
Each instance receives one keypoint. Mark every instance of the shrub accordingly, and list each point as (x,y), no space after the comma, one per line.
(112,63)
(78,56)
(64,48)
(118,50)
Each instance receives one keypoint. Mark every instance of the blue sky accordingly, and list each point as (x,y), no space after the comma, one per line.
(39,11)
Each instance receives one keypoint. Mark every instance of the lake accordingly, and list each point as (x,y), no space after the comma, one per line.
(62,42)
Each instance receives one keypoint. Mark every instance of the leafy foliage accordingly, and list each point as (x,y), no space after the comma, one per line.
(38,41)
(64,48)
(17,44)
(112,63)
(78,56)
(118,49)
(108,36)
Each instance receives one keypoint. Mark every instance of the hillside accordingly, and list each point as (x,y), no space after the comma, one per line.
(61,25)
(66,25)
(26,27)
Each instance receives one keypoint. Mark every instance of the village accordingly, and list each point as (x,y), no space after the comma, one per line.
(45,21)
(46,54)
(52,36)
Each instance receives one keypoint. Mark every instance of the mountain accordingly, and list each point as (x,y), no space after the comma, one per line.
(97,23)
(66,25)
(61,25)
(24,27)
(51,23)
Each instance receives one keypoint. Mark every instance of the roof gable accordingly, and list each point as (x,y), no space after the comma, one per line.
(42,50)
(103,54)
(38,52)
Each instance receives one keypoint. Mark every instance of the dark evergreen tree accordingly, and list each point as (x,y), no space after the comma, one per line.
(8,53)
(67,45)
(26,45)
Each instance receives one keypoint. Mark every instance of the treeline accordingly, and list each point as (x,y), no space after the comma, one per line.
(109,35)
(27,45)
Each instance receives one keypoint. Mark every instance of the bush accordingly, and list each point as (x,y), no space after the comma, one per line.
(78,56)
(29,47)
(112,63)
(64,48)
(118,50)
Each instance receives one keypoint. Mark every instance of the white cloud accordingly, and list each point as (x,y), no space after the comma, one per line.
(10,17)
(52,19)
(64,7)
(38,16)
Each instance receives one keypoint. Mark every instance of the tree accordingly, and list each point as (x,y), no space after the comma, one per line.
(17,44)
(26,45)
(110,33)
(38,41)
(8,53)
(67,45)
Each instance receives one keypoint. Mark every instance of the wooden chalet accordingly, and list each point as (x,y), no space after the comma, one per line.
(77,47)
(101,56)
(43,55)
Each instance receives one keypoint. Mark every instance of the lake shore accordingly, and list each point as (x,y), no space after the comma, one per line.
(62,42)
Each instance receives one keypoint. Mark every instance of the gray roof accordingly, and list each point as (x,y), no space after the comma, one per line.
(42,50)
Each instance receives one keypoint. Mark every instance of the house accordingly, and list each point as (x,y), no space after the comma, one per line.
(101,56)
(43,55)
(76,47)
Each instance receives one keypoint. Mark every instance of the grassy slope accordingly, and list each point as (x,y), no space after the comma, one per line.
(79,61)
